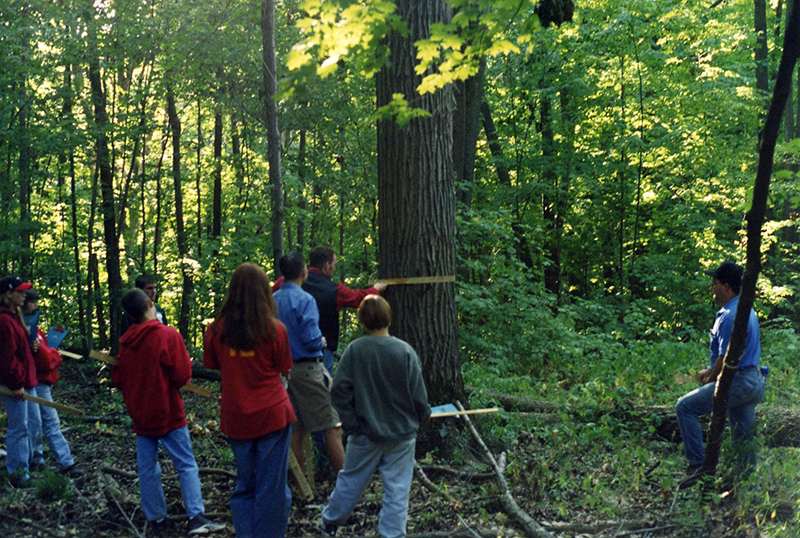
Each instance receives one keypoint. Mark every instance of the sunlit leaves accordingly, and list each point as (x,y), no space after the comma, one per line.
(338,29)
(398,110)
(353,30)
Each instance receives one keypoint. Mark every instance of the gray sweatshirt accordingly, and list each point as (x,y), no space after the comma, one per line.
(378,389)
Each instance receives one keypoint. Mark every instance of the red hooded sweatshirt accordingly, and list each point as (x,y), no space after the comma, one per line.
(17,369)
(153,366)
(47,360)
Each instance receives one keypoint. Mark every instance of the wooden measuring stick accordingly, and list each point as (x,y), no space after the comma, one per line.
(470,412)
(41,401)
(69,354)
(108,359)
(305,489)
(417,280)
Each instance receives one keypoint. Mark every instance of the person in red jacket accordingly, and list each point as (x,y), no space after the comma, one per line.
(47,361)
(18,374)
(251,349)
(153,366)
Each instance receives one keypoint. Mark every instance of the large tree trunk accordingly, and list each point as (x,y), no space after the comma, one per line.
(107,204)
(273,133)
(755,221)
(417,207)
(183,244)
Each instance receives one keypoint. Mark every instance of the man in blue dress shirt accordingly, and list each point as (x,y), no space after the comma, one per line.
(310,382)
(746,390)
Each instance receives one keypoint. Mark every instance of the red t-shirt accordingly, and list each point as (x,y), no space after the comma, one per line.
(47,360)
(153,366)
(254,402)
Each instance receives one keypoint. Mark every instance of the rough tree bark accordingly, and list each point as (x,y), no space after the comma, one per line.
(416,219)
(755,221)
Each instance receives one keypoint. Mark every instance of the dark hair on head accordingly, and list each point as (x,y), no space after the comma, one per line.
(292,265)
(30,296)
(374,313)
(136,303)
(144,280)
(319,256)
(249,310)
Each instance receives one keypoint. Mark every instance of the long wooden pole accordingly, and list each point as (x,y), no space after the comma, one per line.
(109,359)
(40,401)
(417,280)
(470,412)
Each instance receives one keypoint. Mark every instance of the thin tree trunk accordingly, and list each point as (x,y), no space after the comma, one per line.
(108,204)
(755,221)
(94,278)
(761,53)
(273,133)
(504,177)
(552,272)
(216,217)
(157,227)
(301,199)
(466,129)
(183,249)
(198,178)
(68,116)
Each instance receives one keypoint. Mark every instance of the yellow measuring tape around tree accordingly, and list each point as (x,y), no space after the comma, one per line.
(48,403)
(109,359)
(417,280)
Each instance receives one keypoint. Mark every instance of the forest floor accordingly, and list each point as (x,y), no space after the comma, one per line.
(570,490)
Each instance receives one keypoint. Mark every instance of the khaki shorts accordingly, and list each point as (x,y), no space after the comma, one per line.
(310,394)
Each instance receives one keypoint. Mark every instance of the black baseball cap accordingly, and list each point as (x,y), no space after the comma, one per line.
(14,283)
(729,273)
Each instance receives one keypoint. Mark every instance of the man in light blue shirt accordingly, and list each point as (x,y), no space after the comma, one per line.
(747,388)
(310,382)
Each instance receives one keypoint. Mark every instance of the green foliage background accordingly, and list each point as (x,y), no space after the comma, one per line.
(648,153)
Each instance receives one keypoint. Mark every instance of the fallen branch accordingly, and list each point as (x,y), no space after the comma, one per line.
(531,528)
(112,491)
(464,533)
(596,528)
(427,484)
(469,476)
(781,425)
(130,474)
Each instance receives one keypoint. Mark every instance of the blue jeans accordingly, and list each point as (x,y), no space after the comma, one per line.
(327,360)
(396,463)
(50,428)
(747,389)
(261,502)
(34,430)
(18,448)
(151,492)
